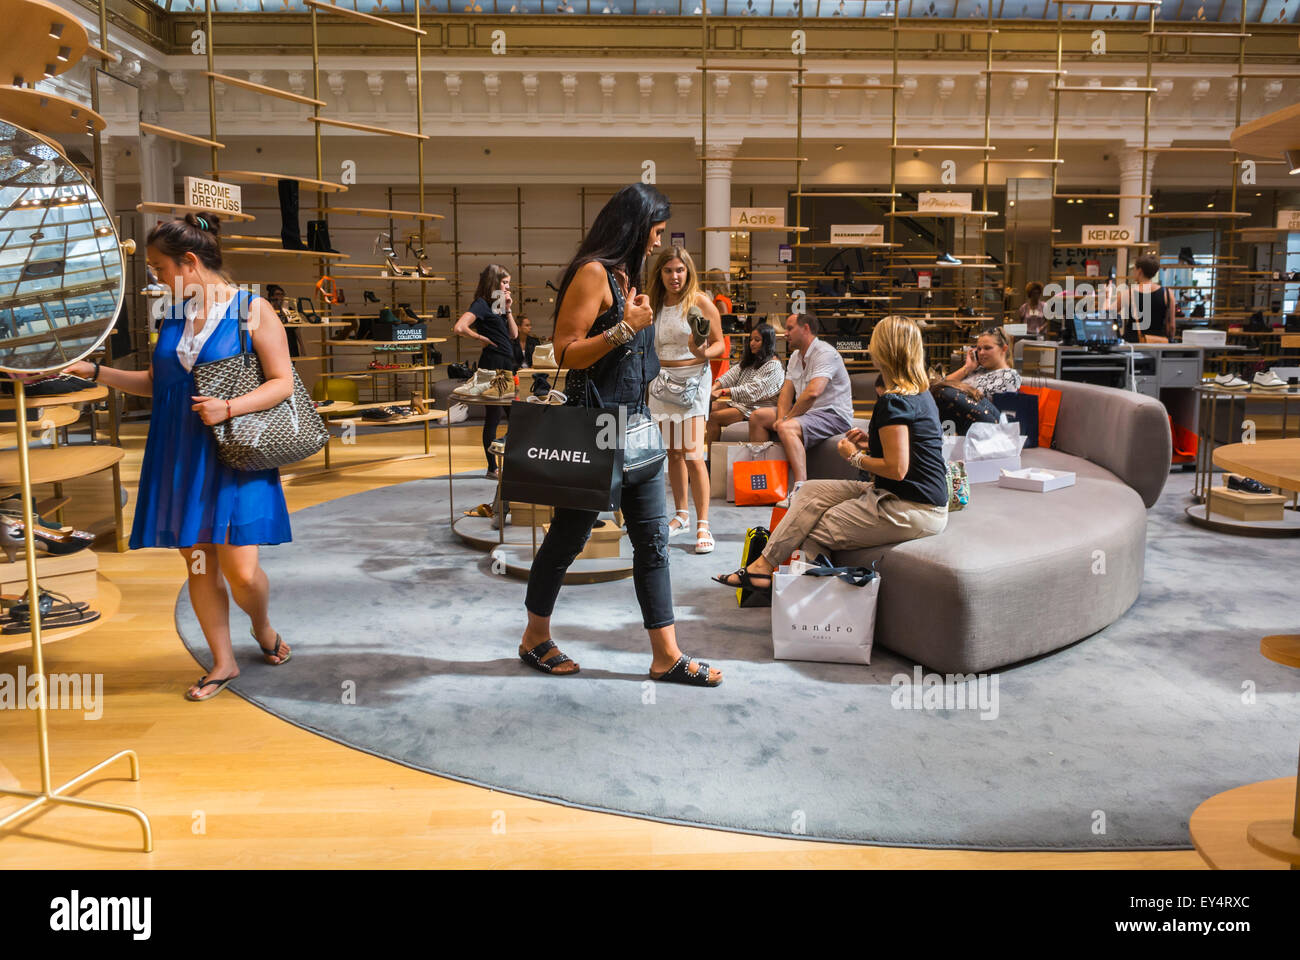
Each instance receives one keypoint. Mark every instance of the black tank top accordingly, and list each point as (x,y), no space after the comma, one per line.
(620,377)
(1152,306)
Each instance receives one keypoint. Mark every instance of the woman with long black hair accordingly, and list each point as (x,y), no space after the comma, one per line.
(490,321)
(604,335)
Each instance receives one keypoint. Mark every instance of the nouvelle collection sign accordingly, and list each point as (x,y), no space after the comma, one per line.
(213,195)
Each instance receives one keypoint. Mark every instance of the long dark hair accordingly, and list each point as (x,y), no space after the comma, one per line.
(618,236)
(489,282)
(751,359)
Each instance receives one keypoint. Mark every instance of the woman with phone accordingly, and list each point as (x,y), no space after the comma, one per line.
(604,336)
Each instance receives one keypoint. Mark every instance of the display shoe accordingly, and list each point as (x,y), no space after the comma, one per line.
(53,614)
(480,381)
(418,404)
(444,312)
(1230,381)
(290,313)
(290,234)
(384,245)
(308,310)
(415,248)
(947,258)
(368,296)
(318,236)
(1246,484)
(502,387)
(541,385)
(698,323)
(1267,380)
(58,386)
(410,316)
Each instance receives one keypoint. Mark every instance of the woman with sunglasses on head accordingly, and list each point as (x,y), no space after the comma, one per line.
(604,337)
(188,499)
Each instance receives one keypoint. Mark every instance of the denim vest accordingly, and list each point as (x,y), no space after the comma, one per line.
(622,376)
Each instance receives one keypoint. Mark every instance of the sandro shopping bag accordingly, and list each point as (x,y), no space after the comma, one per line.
(760,482)
(826,613)
(557,456)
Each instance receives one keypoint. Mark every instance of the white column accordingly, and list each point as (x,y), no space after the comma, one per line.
(717,205)
(1131,160)
(108,164)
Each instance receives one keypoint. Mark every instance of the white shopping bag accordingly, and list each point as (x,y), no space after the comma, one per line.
(742,452)
(823,618)
(992,441)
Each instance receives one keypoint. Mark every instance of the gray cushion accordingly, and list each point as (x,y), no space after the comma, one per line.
(1015,574)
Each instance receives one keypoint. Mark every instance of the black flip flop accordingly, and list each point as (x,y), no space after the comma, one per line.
(271,653)
(746,580)
(679,673)
(205,682)
(534,659)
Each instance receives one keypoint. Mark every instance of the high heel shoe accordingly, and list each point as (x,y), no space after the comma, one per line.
(415,248)
(368,296)
(384,245)
(308,310)
(51,541)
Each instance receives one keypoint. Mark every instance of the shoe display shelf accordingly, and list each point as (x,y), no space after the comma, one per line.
(59,463)
(1274,416)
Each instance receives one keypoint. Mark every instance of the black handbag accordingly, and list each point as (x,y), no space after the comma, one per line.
(290,431)
(555,456)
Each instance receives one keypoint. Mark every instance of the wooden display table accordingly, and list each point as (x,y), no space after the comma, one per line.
(107,601)
(54,465)
(1219,825)
(57,399)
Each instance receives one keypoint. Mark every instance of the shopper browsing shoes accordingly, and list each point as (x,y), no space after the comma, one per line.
(490,321)
(604,336)
(816,401)
(188,499)
(903,450)
(679,395)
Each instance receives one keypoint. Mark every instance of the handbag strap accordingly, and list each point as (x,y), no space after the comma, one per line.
(853,576)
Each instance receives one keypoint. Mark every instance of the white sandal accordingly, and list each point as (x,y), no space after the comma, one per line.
(703,538)
(685,519)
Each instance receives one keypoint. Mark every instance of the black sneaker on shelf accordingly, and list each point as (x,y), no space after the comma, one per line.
(1246,485)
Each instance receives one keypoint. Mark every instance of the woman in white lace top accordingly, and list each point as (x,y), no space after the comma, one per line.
(754,382)
(988,366)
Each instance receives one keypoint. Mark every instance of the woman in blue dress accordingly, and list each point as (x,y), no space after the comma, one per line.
(215,515)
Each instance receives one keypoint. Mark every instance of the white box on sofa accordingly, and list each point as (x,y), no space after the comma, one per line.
(1045,481)
(979,471)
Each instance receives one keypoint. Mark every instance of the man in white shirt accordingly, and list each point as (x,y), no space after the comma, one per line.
(816,402)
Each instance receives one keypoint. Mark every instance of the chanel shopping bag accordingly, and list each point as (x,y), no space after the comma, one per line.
(563,456)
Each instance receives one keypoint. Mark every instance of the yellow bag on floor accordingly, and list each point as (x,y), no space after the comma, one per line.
(755,543)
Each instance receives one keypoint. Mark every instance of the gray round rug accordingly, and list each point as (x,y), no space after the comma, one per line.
(405,647)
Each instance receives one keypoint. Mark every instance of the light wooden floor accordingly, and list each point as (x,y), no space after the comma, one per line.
(227,785)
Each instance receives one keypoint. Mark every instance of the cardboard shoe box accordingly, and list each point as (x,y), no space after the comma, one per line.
(73,574)
(1249,507)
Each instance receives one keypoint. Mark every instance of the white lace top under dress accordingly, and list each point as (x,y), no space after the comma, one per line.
(995,381)
(190,344)
(673,334)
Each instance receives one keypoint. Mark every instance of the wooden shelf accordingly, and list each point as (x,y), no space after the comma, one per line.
(170,134)
(368,128)
(810,193)
(1194,33)
(58,399)
(56,464)
(398,421)
(758,229)
(391,343)
(1060,89)
(324,323)
(271,179)
(945,213)
(364,276)
(362,374)
(358,15)
(1029,71)
(1101,196)
(1271,135)
(847,86)
(263,89)
(26,47)
(938,146)
(279,251)
(1194,215)
(759,159)
(108,600)
(150,206)
(47,113)
(707,67)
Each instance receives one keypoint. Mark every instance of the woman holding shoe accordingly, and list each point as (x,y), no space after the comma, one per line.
(688,334)
(604,336)
(188,499)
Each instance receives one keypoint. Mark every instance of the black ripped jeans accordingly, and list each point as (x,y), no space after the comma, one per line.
(647,528)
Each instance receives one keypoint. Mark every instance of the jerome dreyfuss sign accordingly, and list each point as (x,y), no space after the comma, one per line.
(213,195)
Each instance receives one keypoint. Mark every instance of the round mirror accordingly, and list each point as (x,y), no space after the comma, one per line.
(61,271)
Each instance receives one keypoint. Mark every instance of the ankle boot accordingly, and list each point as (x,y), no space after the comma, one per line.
(290,235)
(318,236)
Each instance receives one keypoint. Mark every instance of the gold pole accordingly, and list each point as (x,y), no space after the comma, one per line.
(704,136)
(1236,179)
(419,162)
(988,127)
(893,156)
(48,794)
(212,87)
(1145,222)
(798,146)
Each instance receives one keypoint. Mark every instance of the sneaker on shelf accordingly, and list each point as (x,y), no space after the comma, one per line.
(1246,485)
(1230,381)
(1268,380)
(947,258)
(473,387)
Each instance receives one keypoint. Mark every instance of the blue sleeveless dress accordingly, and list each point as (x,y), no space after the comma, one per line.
(187,495)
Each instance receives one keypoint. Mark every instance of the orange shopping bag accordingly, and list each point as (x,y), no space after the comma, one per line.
(760,482)
(1049,405)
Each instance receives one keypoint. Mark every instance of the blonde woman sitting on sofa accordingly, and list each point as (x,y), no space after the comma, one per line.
(902,449)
